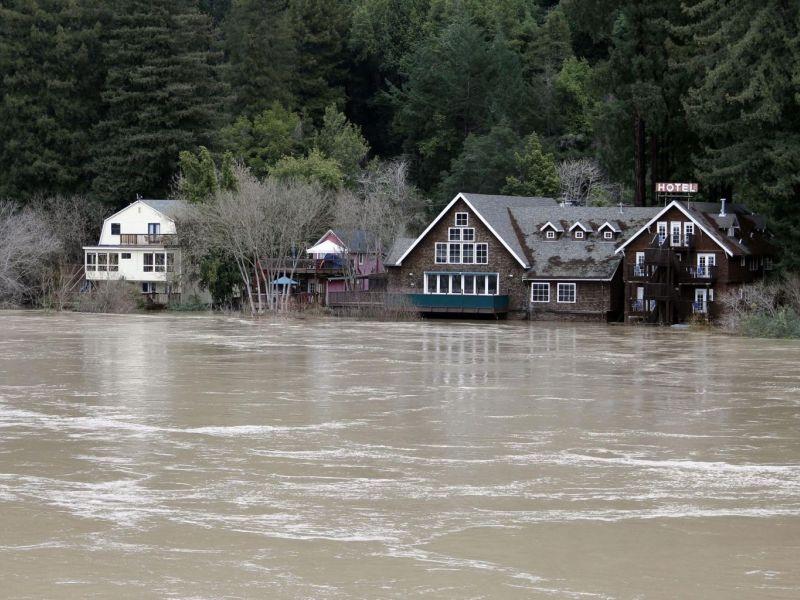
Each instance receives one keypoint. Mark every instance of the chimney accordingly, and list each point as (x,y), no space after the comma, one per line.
(722,207)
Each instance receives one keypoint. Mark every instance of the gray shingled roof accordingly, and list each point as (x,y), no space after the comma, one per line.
(568,258)
(397,250)
(170,208)
(495,209)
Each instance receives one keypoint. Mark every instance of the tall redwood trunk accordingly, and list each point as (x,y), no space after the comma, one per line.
(655,167)
(639,161)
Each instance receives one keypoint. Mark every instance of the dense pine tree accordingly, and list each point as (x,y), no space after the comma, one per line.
(261,53)
(49,95)
(162,94)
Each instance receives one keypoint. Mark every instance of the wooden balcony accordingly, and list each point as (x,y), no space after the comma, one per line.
(301,266)
(638,272)
(697,275)
(657,291)
(148,239)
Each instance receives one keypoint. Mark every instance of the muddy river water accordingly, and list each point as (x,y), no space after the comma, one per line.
(161,456)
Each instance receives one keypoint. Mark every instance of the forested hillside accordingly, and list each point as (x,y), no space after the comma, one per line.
(101,97)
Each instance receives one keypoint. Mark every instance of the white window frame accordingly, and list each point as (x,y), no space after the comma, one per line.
(468,234)
(462,216)
(567,286)
(688,232)
(550,234)
(704,262)
(113,261)
(471,260)
(579,234)
(91,261)
(608,234)
(533,296)
(675,228)
(662,229)
(453,234)
(436,253)
(451,248)
(485,248)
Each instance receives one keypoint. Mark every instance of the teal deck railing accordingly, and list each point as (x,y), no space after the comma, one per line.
(459,303)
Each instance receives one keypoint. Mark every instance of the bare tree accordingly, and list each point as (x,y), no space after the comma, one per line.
(27,245)
(75,221)
(579,178)
(264,225)
(383,206)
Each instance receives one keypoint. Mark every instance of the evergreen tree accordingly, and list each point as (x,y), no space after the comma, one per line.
(458,83)
(320,29)
(342,141)
(261,141)
(746,107)
(162,94)
(198,180)
(48,95)
(484,163)
(260,45)
(312,168)
(535,171)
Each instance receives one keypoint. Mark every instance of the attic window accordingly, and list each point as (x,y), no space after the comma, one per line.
(551,235)
(608,235)
(462,219)
(115,229)
(578,234)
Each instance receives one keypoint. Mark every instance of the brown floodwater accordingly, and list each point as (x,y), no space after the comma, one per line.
(161,456)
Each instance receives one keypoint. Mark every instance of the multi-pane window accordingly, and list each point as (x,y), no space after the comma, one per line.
(126,255)
(608,235)
(454,234)
(540,292)
(102,261)
(148,262)
(481,284)
(481,254)
(566,292)
(441,253)
(454,254)
(468,234)
(91,261)
(113,262)
(467,253)
(551,235)
(462,219)
(578,234)
(688,232)
(661,227)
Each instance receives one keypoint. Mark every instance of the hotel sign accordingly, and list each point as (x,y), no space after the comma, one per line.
(680,188)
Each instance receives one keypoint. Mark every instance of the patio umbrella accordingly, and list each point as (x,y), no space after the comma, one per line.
(284,281)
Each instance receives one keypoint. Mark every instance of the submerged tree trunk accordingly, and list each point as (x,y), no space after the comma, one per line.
(639,161)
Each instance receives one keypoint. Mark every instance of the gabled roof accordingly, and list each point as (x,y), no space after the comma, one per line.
(583,226)
(696,212)
(555,226)
(494,213)
(398,249)
(573,259)
(169,208)
(610,225)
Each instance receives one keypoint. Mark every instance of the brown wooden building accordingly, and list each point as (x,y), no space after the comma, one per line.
(688,254)
(517,256)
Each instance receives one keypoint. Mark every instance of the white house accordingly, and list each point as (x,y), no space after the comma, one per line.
(139,244)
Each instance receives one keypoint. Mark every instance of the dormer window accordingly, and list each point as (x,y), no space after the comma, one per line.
(580,230)
(579,235)
(550,235)
(551,230)
(608,235)
(609,231)
(462,219)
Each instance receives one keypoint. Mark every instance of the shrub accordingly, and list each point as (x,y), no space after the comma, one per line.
(785,323)
(110,297)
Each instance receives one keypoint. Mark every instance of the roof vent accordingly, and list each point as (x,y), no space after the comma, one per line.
(722,208)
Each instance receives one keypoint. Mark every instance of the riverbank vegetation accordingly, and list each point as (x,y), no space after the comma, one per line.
(767,309)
